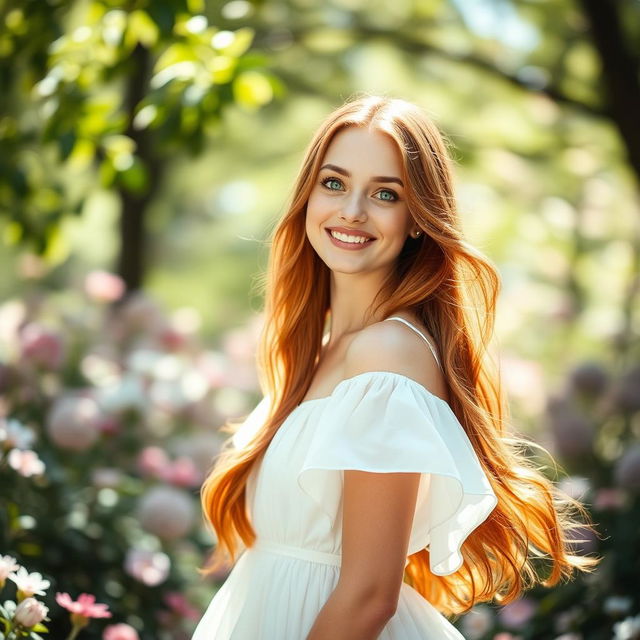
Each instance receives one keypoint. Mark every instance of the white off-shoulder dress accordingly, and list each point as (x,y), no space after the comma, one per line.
(376,421)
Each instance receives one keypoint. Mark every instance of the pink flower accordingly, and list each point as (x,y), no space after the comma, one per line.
(167,512)
(41,346)
(608,498)
(566,619)
(108,425)
(141,313)
(171,339)
(516,614)
(8,565)
(180,606)
(182,472)
(627,469)
(73,422)
(149,567)
(26,463)
(85,606)
(213,366)
(29,584)
(120,632)
(477,622)
(152,462)
(29,612)
(106,477)
(103,286)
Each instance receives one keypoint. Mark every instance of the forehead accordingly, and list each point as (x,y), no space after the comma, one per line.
(364,150)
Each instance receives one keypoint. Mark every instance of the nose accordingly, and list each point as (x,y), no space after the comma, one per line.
(353,207)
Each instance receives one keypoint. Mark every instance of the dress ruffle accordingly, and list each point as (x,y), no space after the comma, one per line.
(385,422)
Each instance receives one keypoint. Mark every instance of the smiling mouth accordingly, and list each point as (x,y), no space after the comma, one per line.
(349,239)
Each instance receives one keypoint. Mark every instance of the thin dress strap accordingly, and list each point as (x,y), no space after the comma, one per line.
(435,355)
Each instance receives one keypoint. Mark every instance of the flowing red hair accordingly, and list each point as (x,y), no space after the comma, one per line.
(452,288)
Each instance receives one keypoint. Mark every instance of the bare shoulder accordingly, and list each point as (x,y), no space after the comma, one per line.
(394,347)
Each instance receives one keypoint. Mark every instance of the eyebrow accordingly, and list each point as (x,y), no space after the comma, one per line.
(344,172)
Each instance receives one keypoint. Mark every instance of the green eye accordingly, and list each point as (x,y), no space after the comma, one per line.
(388,196)
(332,183)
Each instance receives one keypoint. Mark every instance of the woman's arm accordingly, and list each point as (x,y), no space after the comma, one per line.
(377,508)
(376,524)
(349,617)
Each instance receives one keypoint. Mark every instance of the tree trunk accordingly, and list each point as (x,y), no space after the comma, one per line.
(619,73)
(131,264)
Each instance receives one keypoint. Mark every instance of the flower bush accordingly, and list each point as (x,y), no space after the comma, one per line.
(23,618)
(594,422)
(109,420)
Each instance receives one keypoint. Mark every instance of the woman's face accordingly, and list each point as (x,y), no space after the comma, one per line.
(359,193)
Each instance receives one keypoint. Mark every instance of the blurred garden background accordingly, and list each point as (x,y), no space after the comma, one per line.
(146,149)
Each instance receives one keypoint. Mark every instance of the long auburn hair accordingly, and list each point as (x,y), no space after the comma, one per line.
(452,288)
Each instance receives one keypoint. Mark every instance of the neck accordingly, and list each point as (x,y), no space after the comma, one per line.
(351,296)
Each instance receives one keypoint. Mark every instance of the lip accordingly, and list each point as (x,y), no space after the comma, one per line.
(349,246)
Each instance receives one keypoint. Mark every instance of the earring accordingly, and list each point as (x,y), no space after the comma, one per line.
(417,234)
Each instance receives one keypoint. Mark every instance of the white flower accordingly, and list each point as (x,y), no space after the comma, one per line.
(628,629)
(575,486)
(14,434)
(29,612)
(29,584)
(26,463)
(122,394)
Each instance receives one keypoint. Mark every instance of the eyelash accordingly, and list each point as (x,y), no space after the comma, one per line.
(324,182)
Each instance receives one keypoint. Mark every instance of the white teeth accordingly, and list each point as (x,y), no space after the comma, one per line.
(345,238)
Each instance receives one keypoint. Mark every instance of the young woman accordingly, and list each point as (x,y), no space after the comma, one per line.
(375,489)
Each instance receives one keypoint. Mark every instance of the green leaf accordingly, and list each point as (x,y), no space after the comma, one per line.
(136,177)
(13,233)
(118,144)
(82,155)
(174,54)
(222,69)
(141,28)
(233,43)
(252,89)
(107,173)
(196,6)
(57,248)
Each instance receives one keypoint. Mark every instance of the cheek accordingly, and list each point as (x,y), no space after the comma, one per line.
(316,206)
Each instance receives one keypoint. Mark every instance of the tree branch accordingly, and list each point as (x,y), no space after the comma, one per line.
(620,73)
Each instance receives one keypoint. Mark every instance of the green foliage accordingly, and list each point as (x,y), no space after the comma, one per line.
(109,88)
